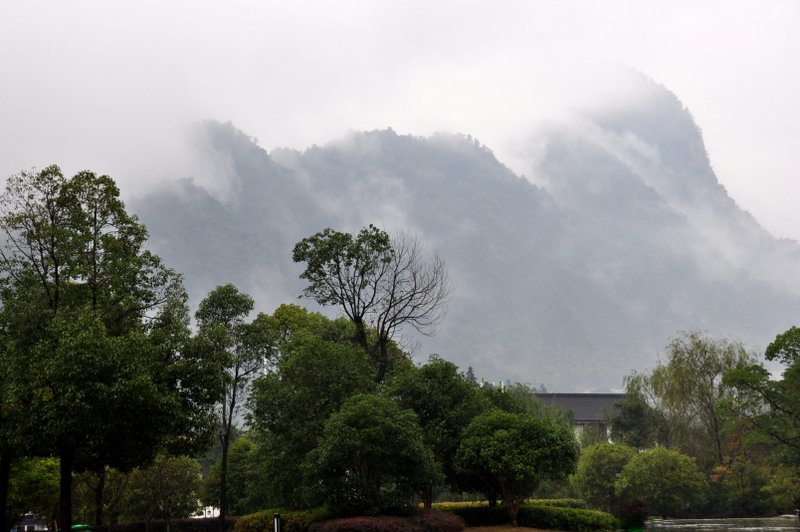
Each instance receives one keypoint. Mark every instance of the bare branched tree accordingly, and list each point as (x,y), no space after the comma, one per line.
(382,284)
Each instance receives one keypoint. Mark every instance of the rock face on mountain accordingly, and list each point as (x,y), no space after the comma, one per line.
(574,283)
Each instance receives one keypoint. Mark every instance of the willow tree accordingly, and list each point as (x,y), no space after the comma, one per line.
(382,284)
(688,392)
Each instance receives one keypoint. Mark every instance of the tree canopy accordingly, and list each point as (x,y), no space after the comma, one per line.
(371,457)
(80,295)
(380,283)
(513,453)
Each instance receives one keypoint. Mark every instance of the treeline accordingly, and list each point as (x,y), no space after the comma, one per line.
(719,434)
(107,380)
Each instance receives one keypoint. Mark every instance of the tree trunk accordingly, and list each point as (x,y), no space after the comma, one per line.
(427,498)
(512,505)
(5,477)
(383,360)
(223,480)
(99,498)
(361,334)
(66,456)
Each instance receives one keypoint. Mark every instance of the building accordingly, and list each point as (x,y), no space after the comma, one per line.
(589,410)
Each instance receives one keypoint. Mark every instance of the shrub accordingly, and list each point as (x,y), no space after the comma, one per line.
(174,525)
(426,521)
(598,468)
(438,521)
(559,518)
(668,482)
(366,524)
(561,503)
(291,520)
(536,515)
(479,515)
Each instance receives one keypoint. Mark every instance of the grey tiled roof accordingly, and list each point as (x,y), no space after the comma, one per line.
(585,407)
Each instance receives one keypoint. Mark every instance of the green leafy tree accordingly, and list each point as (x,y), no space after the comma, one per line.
(519,398)
(238,349)
(371,457)
(445,402)
(635,422)
(688,394)
(167,489)
(318,369)
(78,288)
(513,453)
(772,406)
(34,487)
(598,468)
(668,482)
(85,495)
(247,479)
(381,284)
(783,489)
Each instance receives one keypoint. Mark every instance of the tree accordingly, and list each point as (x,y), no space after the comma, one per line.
(772,406)
(34,487)
(239,350)
(598,468)
(371,457)
(317,370)
(445,402)
(167,489)
(77,290)
(513,453)
(635,423)
(688,392)
(381,284)
(247,479)
(669,482)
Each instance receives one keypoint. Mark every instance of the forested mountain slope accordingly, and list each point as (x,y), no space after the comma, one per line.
(629,239)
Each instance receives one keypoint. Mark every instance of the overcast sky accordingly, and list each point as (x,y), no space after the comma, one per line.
(113,86)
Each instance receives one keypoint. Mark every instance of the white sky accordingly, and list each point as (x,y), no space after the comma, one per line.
(112,85)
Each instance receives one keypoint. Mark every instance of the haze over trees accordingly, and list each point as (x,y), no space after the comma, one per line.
(99,360)
(626,237)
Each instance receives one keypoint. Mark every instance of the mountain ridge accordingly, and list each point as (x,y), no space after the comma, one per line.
(573,283)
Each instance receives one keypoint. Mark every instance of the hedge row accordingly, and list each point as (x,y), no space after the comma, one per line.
(175,525)
(291,520)
(539,516)
(558,518)
(428,521)
(562,503)
(319,520)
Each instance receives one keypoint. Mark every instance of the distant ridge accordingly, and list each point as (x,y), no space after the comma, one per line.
(572,284)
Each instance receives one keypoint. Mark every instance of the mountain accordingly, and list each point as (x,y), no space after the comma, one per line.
(628,238)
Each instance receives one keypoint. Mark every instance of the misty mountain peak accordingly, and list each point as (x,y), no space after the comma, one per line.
(573,283)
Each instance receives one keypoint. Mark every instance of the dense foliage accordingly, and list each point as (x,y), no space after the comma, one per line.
(669,482)
(86,311)
(371,458)
(513,453)
(598,468)
(99,361)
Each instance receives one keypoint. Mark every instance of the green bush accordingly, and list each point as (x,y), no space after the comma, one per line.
(426,521)
(561,503)
(291,520)
(559,518)
(542,514)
